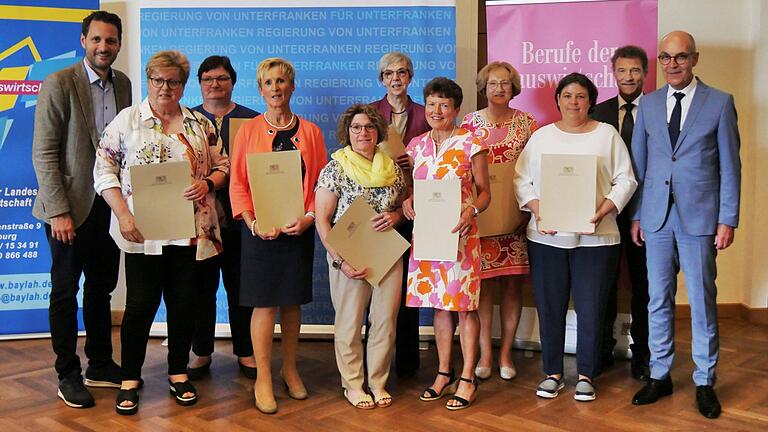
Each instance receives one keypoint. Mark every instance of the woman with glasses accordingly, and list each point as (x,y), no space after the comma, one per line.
(159,130)
(404,118)
(359,168)
(276,272)
(450,153)
(217,79)
(504,258)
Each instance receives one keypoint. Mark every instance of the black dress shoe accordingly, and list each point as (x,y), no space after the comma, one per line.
(196,373)
(248,371)
(653,390)
(706,399)
(640,370)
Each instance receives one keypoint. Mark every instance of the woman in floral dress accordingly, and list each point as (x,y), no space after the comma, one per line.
(448,152)
(503,258)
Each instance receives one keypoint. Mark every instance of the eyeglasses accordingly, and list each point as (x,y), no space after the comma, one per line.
(159,83)
(220,80)
(356,128)
(401,73)
(499,84)
(680,59)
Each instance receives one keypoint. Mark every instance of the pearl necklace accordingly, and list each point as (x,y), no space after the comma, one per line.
(287,125)
(437,144)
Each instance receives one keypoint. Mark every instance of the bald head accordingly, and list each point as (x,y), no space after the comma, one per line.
(681,37)
(678,56)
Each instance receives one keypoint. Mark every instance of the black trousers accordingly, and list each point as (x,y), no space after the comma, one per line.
(95,255)
(587,272)
(172,276)
(228,264)
(407,339)
(638,278)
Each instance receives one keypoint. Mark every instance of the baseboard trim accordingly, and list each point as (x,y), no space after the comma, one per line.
(730,310)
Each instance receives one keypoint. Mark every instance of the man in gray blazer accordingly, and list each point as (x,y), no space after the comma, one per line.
(685,147)
(74,106)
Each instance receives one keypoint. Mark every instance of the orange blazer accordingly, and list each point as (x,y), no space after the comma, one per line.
(254,137)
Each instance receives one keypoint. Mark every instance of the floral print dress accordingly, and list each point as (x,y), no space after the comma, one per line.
(447,285)
(506,254)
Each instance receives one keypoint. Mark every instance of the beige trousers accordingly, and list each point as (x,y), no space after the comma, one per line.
(350,298)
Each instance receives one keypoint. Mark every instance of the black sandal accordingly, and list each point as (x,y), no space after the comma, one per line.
(463,403)
(129,395)
(179,388)
(453,383)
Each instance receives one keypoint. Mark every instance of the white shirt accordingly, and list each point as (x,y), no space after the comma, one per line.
(685,103)
(615,179)
(622,112)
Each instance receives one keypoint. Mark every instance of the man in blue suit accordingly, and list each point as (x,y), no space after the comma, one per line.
(685,146)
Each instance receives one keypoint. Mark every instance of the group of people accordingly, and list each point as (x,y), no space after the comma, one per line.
(668,174)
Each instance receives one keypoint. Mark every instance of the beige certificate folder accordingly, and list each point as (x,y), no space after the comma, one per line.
(394,147)
(437,204)
(234,127)
(354,238)
(568,192)
(503,214)
(159,206)
(275,181)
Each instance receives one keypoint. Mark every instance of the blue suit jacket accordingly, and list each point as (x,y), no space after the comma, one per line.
(703,169)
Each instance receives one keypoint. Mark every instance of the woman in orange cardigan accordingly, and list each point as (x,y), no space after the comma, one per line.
(277,265)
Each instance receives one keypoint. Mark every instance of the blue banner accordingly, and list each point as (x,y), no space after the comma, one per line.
(335,51)
(38,38)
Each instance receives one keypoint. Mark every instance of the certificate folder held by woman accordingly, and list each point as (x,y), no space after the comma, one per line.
(353,235)
(275,181)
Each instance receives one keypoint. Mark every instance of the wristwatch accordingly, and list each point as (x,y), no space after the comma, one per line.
(337,263)
(209,182)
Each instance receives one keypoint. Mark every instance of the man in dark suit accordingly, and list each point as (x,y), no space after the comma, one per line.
(74,106)
(685,147)
(630,67)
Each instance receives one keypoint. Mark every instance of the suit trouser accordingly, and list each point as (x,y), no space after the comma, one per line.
(407,338)
(669,250)
(555,273)
(228,262)
(172,276)
(638,278)
(350,298)
(95,255)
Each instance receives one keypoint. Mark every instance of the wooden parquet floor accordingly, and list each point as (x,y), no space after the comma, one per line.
(28,399)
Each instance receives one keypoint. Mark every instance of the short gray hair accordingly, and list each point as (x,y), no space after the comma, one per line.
(394,57)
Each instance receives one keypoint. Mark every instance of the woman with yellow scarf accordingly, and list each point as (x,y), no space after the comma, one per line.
(359,168)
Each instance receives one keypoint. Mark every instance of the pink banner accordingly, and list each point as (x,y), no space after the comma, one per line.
(545,41)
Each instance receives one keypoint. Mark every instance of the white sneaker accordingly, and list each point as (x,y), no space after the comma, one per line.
(549,388)
(585,391)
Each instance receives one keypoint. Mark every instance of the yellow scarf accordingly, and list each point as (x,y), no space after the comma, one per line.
(379,173)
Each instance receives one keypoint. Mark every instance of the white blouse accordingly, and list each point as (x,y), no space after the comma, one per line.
(615,179)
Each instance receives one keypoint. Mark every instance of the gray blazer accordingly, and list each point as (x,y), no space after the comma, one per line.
(65,142)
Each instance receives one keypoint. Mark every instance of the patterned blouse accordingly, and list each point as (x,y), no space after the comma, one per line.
(506,254)
(382,199)
(135,137)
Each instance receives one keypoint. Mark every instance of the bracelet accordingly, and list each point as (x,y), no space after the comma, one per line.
(253,227)
(310,214)
(209,182)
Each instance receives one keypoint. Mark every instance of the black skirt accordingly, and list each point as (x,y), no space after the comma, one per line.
(276,272)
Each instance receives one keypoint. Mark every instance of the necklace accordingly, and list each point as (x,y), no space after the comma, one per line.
(287,125)
(437,144)
(400,112)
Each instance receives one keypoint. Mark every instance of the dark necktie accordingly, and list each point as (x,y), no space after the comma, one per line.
(628,124)
(674,120)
